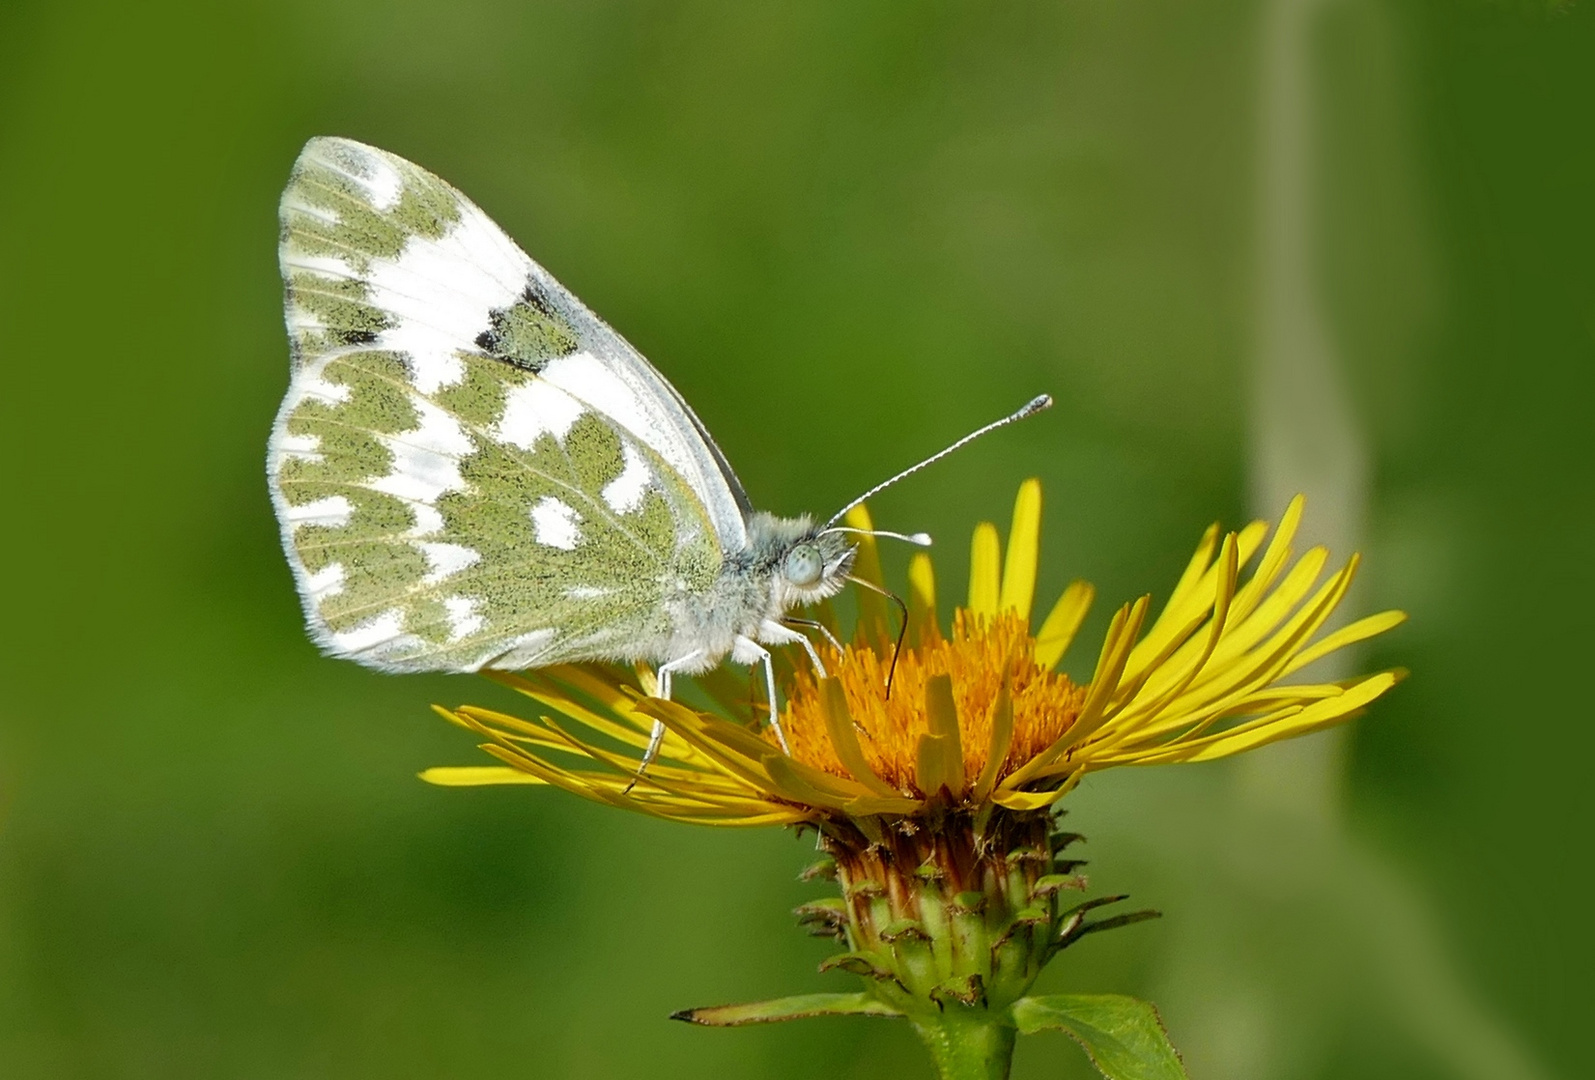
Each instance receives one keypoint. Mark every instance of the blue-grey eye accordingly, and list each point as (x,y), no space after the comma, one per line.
(803,565)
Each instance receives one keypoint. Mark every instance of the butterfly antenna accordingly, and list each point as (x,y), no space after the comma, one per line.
(919,539)
(1032,407)
(902,626)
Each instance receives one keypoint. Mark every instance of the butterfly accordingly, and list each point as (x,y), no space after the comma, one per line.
(471,470)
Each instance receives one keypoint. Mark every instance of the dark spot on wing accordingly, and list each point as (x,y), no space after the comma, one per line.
(528,333)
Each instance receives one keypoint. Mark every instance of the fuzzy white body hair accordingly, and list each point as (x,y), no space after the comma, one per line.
(750,596)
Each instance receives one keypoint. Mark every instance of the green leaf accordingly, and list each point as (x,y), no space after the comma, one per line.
(1124,1038)
(798,1007)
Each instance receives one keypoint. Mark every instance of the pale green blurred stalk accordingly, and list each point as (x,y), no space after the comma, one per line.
(1306,436)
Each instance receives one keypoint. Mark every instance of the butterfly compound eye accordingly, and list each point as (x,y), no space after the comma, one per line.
(803,565)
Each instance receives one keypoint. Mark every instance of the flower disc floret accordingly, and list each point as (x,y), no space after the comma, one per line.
(1008,706)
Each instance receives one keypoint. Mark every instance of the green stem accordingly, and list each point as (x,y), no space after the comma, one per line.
(967,1045)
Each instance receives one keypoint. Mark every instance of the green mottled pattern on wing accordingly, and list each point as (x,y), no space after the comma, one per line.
(334,217)
(618,568)
(358,401)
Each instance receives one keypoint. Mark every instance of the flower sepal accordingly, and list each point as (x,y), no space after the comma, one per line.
(796,1007)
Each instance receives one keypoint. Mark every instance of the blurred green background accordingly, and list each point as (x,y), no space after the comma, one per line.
(848,232)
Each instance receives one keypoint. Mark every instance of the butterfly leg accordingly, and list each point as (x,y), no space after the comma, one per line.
(749,651)
(667,671)
(814,655)
(830,639)
(656,737)
(781,633)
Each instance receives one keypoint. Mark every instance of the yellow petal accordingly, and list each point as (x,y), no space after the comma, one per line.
(544,686)
(1026,800)
(921,596)
(477,776)
(692,784)
(1192,666)
(839,724)
(1193,596)
(502,725)
(940,757)
(1143,669)
(874,623)
(1201,559)
(1226,687)
(1360,630)
(1122,632)
(1057,633)
(1252,620)
(1001,740)
(1316,716)
(575,783)
(1274,559)
(1024,550)
(985,558)
(732,749)
(790,784)
(861,807)
(1105,682)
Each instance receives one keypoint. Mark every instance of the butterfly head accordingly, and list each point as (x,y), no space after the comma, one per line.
(804,562)
(816,565)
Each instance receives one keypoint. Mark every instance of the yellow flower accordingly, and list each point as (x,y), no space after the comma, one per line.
(976,720)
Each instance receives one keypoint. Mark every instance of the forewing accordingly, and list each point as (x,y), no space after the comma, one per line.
(469,467)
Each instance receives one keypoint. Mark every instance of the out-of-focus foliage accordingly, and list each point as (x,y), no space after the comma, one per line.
(848,232)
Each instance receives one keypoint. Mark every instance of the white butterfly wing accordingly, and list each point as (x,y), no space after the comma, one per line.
(472,469)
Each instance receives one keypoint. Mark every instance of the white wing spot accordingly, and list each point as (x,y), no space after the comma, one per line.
(307,447)
(440,295)
(533,409)
(332,511)
(587,592)
(383,185)
(426,460)
(301,320)
(556,524)
(428,521)
(624,493)
(444,560)
(606,388)
(384,629)
(463,618)
(324,583)
(334,266)
(317,387)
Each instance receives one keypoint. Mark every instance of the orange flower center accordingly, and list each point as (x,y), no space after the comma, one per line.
(982,654)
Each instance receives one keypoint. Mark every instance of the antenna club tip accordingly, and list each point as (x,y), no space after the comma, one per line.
(920,538)
(1037,403)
